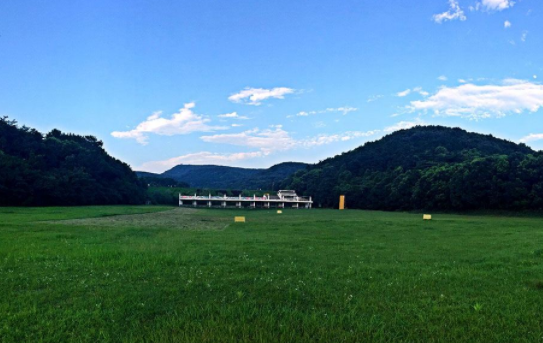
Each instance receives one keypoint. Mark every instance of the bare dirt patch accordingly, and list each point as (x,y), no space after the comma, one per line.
(179,218)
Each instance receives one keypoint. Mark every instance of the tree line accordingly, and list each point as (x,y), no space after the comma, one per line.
(429,168)
(61,169)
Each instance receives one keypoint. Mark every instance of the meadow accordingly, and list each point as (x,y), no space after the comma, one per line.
(163,274)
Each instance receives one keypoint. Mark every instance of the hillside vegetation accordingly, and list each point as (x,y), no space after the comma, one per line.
(221,177)
(61,169)
(428,167)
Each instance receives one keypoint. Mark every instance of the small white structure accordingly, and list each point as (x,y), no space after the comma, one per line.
(283,197)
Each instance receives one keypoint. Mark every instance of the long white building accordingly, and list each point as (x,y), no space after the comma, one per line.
(284,198)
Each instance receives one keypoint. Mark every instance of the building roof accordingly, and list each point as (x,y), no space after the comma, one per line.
(287,193)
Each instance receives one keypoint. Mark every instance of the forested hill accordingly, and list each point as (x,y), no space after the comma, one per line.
(429,167)
(221,177)
(61,169)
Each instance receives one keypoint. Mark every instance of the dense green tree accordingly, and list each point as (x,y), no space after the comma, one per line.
(428,167)
(61,169)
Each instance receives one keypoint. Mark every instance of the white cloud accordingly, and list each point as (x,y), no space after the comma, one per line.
(420,91)
(233,115)
(274,139)
(342,137)
(404,93)
(277,139)
(454,12)
(183,122)
(236,125)
(199,158)
(255,96)
(497,5)
(535,77)
(476,7)
(374,98)
(414,90)
(476,102)
(507,24)
(405,125)
(524,36)
(343,110)
(532,137)
(442,78)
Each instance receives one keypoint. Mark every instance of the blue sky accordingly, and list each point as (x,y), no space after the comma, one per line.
(255,83)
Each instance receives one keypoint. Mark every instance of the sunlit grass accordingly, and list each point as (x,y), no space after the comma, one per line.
(318,275)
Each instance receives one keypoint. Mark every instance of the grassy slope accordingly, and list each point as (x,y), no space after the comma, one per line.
(317,275)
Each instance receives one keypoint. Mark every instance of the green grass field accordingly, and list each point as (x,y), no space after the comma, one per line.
(183,275)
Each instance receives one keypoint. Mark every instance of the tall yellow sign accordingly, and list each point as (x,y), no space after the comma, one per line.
(342,202)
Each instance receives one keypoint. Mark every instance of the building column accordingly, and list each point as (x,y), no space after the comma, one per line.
(239,204)
(195,203)
(224,204)
(209,203)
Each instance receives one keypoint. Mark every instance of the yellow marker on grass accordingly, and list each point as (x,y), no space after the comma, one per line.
(279,211)
(342,202)
(427,217)
(239,219)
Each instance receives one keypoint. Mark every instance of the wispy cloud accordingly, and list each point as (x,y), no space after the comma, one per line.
(277,139)
(405,125)
(255,96)
(532,137)
(181,123)
(404,93)
(342,137)
(343,110)
(496,5)
(524,36)
(483,101)
(232,115)
(420,91)
(507,24)
(442,78)
(454,13)
(268,140)
(374,98)
(414,90)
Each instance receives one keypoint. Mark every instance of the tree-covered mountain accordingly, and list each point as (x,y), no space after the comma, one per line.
(221,177)
(429,167)
(61,169)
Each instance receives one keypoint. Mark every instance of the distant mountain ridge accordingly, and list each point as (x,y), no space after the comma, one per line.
(222,177)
